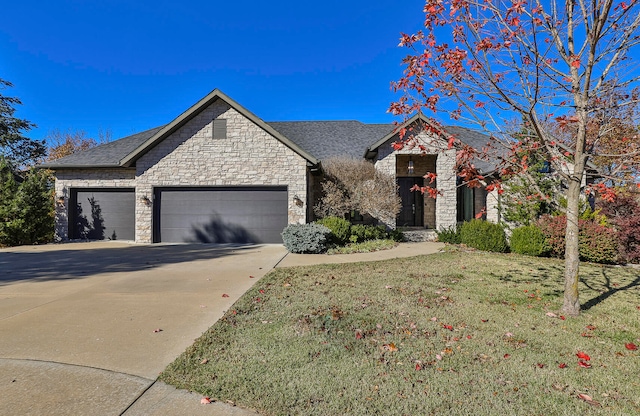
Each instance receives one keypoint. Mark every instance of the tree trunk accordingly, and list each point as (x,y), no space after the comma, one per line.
(571,305)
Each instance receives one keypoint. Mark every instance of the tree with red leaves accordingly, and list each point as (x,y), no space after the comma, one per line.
(550,63)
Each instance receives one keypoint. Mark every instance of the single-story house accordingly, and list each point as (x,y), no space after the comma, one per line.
(219,173)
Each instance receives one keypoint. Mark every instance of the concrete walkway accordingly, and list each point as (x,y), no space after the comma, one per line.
(85,328)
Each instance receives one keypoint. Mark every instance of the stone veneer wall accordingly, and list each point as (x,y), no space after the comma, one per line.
(445,169)
(493,206)
(85,178)
(191,157)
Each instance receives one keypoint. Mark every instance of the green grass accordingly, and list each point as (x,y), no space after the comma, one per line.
(374,338)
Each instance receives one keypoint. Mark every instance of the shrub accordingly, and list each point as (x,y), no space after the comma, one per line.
(340,229)
(306,238)
(554,228)
(624,214)
(529,240)
(449,235)
(597,242)
(484,235)
(396,235)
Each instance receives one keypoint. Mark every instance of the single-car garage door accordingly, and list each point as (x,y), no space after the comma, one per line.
(220,214)
(101,214)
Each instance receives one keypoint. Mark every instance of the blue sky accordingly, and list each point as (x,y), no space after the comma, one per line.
(127,66)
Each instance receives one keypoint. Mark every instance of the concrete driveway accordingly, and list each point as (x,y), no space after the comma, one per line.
(85,328)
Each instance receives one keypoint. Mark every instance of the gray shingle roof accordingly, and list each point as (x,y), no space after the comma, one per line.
(324,139)
(105,155)
(321,139)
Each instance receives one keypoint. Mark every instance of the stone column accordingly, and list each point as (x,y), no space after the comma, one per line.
(446,203)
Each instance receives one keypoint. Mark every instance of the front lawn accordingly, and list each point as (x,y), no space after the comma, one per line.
(465,333)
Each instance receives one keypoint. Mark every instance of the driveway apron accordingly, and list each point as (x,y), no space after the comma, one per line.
(85,328)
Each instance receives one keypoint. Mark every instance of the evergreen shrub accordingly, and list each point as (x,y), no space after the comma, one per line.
(484,235)
(306,238)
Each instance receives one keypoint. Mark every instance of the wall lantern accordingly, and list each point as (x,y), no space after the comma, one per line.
(145,200)
(297,201)
(410,166)
(60,201)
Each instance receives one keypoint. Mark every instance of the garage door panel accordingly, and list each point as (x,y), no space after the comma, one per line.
(103,214)
(221,215)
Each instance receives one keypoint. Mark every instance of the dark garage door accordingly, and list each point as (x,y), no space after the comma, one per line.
(99,214)
(220,215)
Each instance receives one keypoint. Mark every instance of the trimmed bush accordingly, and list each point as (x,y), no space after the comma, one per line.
(449,235)
(306,238)
(340,229)
(598,243)
(396,235)
(484,235)
(624,214)
(529,240)
(554,229)
(361,233)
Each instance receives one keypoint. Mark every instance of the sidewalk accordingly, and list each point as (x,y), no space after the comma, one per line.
(402,250)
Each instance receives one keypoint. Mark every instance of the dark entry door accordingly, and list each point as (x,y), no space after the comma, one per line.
(411,214)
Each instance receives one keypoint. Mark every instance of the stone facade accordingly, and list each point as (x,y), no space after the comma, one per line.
(248,156)
(444,209)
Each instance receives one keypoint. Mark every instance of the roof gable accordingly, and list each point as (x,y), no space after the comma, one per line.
(194,110)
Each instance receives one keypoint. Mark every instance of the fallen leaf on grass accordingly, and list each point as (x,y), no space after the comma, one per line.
(588,399)
(205,400)
(204,361)
(583,356)
(631,346)
(584,364)
(562,365)
(390,347)
(540,365)
(591,327)
(551,315)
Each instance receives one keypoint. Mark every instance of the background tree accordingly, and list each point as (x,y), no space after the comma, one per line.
(26,206)
(356,185)
(64,143)
(550,61)
(17,150)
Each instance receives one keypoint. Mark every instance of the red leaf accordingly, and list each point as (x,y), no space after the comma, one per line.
(358,334)
(251,277)
(540,365)
(583,356)
(576,63)
(507,356)
(562,365)
(224,295)
(591,327)
(205,400)
(562,317)
(631,346)
(584,364)
(261,290)
(418,367)
(157,330)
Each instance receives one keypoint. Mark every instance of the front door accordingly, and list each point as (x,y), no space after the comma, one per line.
(411,214)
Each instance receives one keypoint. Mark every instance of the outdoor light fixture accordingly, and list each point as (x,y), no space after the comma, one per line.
(145,200)
(60,201)
(297,201)
(410,166)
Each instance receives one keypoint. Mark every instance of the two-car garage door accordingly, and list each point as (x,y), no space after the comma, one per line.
(193,215)
(220,214)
